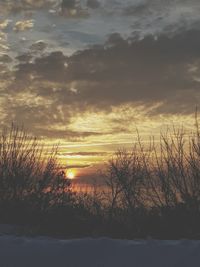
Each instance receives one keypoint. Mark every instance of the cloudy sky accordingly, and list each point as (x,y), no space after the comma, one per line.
(88,73)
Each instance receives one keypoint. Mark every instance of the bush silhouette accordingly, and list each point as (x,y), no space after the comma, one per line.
(151,191)
(30,177)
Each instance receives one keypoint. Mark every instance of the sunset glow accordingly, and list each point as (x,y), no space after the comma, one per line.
(70,174)
(100,122)
(87,77)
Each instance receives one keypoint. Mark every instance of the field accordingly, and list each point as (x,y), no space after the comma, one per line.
(40,252)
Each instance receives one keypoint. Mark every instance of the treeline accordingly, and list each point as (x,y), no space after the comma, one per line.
(152,191)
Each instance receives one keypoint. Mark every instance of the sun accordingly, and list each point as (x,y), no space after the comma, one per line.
(70,174)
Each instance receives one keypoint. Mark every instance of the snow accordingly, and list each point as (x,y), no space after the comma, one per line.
(46,252)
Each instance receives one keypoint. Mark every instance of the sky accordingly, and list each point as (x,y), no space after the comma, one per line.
(86,74)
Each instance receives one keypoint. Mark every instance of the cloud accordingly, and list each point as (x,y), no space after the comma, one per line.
(68,4)
(4,24)
(24,5)
(50,67)
(85,153)
(67,8)
(77,166)
(93,3)
(72,8)
(23,25)
(160,73)
(4,58)
(143,71)
(3,38)
(66,134)
(39,45)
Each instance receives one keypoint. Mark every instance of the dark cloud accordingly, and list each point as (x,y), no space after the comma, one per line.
(124,71)
(68,4)
(4,58)
(137,9)
(51,67)
(20,5)
(66,8)
(38,46)
(148,71)
(93,3)
(64,134)
(85,153)
(77,166)
(24,57)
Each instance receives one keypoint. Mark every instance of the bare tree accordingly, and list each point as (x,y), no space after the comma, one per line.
(28,169)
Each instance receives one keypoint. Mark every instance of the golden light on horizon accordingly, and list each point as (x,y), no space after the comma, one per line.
(71,174)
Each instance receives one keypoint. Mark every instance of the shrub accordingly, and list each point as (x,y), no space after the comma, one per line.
(30,175)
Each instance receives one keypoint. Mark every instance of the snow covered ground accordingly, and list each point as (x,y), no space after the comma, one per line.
(45,252)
